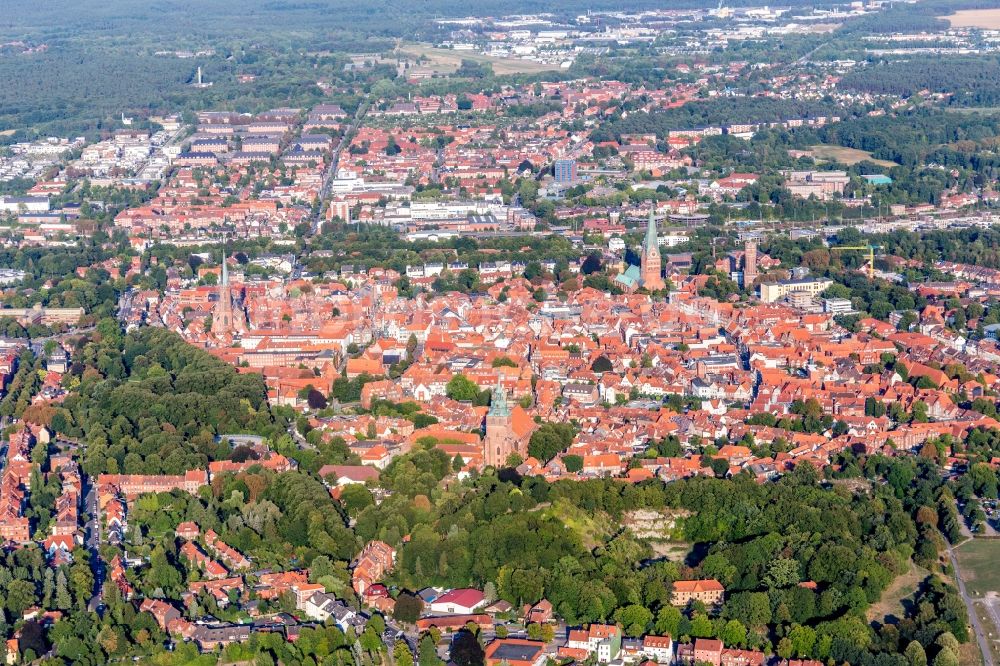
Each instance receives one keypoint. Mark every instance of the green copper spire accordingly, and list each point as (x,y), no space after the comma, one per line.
(498,404)
(651,241)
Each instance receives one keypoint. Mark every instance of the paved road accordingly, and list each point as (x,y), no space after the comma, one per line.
(331,171)
(981,636)
(92,540)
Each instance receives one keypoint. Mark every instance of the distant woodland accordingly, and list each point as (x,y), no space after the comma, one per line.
(972,81)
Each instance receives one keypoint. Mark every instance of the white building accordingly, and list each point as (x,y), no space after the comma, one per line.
(462,601)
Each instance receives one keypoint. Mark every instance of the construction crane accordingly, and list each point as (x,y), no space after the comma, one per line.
(870,249)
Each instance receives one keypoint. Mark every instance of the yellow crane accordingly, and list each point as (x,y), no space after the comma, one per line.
(870,249)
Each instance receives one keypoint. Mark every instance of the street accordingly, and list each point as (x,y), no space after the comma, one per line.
(92,540)
(331,171)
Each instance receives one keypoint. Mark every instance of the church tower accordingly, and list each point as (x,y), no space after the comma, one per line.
(650,258)
(749,264)
(222,315)
(500,441)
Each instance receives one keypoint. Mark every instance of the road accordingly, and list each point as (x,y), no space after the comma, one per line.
(804,59)
(981,636)
(92,540)
(331,171)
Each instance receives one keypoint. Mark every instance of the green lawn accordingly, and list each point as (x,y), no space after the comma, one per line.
(979,560)
(848,156)
(891,603)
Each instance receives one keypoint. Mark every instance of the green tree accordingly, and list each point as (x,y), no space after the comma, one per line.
(634,619)
(427,651)
(915,654)
(462,388)
(402,655)
(408,608)
(668,621)
(20,596)
(734,634)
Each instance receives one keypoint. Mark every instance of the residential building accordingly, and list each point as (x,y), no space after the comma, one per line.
(708,591)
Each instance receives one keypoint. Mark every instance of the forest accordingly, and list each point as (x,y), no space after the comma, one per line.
(523,540)
(148,402)
(970,81)
(719,111)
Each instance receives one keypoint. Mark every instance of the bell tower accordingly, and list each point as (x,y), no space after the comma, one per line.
(650,262)
(222,315)
(499,441)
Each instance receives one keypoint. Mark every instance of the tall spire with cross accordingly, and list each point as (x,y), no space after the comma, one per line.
(652,280)
(222,315)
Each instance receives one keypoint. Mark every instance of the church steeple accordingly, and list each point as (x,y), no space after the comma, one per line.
(222,316)
(499,442)
(652,242)
(498,404)
(650,259)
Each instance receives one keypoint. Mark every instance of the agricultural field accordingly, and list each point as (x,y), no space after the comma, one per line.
(987,19)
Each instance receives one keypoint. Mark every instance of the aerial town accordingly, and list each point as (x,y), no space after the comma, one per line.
(646,335)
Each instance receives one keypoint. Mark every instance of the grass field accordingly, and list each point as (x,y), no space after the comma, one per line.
(981,110)
(978,560)
(891,603)
(988,19)
(675,551)
(971,648)
(447,61)
(846,156)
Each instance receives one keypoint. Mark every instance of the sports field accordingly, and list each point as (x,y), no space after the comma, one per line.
(846,156)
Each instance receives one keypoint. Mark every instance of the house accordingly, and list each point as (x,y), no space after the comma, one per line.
(515,652)
(462,601)
(454,622)
(604,640)
(499,607)
(232,557)
(187,530)
(162,612)
(708,591)
(322,606)
(658,648)
(734,657)
(199,560)
(585,394)
(133,485)
(343,475)
(539,613)
(702,651)
(210,638)
(375,560)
